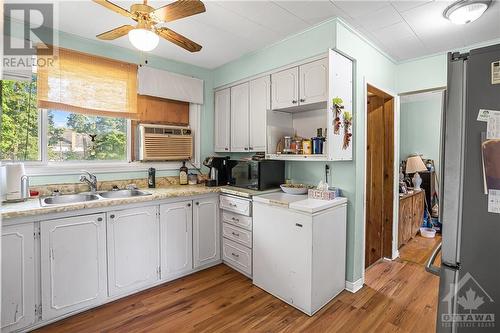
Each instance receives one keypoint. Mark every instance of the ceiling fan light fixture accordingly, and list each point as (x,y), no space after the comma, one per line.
(466,11)
(143,39)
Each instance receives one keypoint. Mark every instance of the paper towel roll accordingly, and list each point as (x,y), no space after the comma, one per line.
(14,173)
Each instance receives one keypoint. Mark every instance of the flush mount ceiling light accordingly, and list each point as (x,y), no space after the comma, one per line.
(143,39)
(466,11)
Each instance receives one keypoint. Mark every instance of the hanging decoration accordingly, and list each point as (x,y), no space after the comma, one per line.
(342,120)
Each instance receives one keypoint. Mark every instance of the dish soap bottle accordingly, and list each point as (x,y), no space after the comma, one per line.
(183,174)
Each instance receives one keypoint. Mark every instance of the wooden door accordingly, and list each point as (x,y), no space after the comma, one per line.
(222,115)
(379,177)
(285,88)
(260,103)
(206,234)
(313,83)
(176,241)
(18,277)
(133,249)
(239,118)
(73,264)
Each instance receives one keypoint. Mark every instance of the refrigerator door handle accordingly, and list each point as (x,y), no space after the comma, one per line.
(430,267)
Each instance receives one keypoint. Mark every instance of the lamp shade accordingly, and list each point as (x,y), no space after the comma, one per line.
(414,164)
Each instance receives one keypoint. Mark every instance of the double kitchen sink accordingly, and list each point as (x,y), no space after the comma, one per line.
(85,197)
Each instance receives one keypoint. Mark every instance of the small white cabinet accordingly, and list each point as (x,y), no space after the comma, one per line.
(300,86)
(18,277)
(239,118)
(313,82)
(73,264)
(176,241)
(206,234)
(222,120)
(133,249)
(285,88)
(259,104)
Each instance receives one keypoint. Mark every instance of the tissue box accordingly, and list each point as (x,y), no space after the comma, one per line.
(330,194)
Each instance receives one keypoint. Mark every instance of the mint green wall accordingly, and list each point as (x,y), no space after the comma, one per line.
(420,128)
(420,74)
(375,68)
(104,49)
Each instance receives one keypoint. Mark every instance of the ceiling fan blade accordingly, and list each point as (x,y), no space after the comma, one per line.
(178,39)
(178,10)
(115,33)
(113,7)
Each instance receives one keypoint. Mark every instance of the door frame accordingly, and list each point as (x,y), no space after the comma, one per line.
(395,205)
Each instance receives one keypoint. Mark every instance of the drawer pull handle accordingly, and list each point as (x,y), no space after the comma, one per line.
(298,225)
(235,219)
(112,216)
(232,205)
(235,255)
(235,234)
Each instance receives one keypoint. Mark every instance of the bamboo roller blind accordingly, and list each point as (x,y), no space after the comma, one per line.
(84,83)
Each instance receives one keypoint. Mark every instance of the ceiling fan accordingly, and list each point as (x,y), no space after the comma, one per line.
(145,35)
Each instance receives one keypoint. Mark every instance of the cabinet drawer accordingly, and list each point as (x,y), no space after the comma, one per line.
(237,255)
(236,205)
(237,234)
(241,221)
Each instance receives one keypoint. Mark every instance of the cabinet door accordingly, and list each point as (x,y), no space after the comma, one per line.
(222,128)
(206,237)
(18,277)
(285,88)
(73,265)
(133,249)
(313,83)
(418,212)
(260,102)
(176,239)
(239,118)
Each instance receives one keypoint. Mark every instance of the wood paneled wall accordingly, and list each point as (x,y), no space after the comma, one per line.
(156,110)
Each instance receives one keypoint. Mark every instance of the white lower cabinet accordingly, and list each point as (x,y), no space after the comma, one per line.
(73,264)
(206,234)
(18,277)
(176,241)
(133,249)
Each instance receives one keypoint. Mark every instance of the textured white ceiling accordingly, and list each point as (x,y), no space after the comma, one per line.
(229,29)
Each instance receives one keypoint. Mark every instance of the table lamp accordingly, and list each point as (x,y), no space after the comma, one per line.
(414,164)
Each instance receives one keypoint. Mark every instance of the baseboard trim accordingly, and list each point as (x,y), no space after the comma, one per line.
(354,286)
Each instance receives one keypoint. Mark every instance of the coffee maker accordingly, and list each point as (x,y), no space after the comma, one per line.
(219,170)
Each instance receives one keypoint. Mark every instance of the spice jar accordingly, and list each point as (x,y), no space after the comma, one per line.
(306,147)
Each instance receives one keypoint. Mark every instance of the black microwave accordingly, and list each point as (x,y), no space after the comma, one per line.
(256,175)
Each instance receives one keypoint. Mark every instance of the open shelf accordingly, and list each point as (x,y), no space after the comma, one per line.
(297,157)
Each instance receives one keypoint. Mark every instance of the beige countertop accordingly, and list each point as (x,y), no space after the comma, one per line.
(32,207)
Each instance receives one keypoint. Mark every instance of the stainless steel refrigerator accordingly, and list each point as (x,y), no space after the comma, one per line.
(469,288)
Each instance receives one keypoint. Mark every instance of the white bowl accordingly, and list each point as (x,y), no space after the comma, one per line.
(294,190)
(427,232)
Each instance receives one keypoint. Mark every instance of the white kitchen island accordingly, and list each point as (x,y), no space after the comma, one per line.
(299,248)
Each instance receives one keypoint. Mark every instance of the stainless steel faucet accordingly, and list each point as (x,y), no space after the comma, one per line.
(91,181)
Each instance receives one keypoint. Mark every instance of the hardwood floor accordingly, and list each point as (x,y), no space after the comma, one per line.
(419,249)
(398,296)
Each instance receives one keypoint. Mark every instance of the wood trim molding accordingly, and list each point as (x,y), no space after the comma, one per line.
(355,286)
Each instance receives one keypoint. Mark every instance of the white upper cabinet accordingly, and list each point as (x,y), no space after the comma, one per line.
(222,120)
(260,102)
(313,83)
(239,118)
(133,249)
(206,231)
(18,277)
(176,241)
(73,264)
(285,88)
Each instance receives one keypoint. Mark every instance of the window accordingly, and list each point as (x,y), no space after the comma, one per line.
(20,122)
(78,137)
